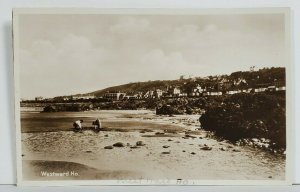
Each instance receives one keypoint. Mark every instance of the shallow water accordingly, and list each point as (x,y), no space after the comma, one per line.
(60,121)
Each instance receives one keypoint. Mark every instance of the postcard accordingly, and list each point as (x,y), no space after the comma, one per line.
(153,96)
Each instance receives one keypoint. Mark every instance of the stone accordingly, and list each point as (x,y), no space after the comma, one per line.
(170,139)
(166,146)
(134,147)
(206,148)
(165,152)
(140,143)
(223,149)
(193,153)
(108,147)
(119,144)
(236,150)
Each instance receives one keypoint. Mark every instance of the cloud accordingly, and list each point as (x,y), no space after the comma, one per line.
(111,50)
(57,66)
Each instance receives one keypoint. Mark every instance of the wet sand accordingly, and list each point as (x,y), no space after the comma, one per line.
(170,152)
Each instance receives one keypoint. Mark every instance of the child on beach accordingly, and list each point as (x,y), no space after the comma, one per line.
(78,124)
(97,124)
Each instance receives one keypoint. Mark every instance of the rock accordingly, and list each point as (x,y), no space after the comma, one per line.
(223,149)
(185,137)
(140,143)
(166,146)
(165,152)
(23,155)
(183,150)
(193,153)
(270,177)
(229,146)
(170,140)
(88,151)
(134,147)
(108,147)
(265,145)
(105,135)
(206,148)
(159,133)
(119,144)
(200,137)
(205,145)
(236,150)
(142,131)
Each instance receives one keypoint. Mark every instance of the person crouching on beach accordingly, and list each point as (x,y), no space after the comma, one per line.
(97,124)
(78,124)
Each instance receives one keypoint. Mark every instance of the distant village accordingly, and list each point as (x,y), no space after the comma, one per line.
(209,86)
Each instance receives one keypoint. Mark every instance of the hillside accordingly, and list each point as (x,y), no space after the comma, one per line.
(253,79)
(140,87)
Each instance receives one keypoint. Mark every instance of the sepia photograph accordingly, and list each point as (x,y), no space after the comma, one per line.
(152,97)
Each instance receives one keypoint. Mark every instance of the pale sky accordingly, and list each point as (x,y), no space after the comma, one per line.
(70,54)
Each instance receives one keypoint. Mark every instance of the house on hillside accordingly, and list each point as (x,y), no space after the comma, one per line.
(89,96)
(240,82)
(224,84)
(149,94)
(114,96)
(158,93)
(39,99)
(197,91)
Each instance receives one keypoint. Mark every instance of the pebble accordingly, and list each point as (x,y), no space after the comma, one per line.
(183,150)
(223,149)
(140,143)
(236,150)
(166,152)
(193,153)
(170,140)
(108,147)
(206,148)
(134,147)
(88,151)
(119,144)
(166,146)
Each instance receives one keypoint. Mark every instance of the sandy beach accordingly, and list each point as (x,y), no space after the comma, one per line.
(152,147)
